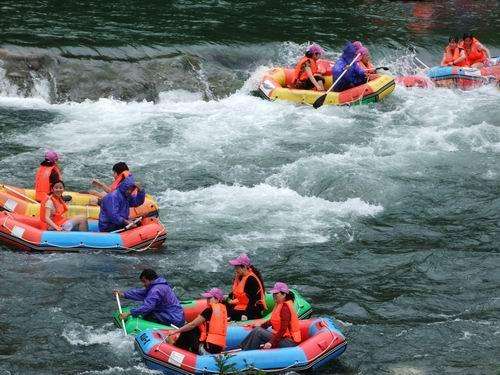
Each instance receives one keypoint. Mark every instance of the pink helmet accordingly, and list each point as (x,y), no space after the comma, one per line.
(51,156)
(315,48)
(358,45)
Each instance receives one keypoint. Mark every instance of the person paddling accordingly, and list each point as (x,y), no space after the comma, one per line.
(355,74)
(247,299)
(284,323)
(453,55)
(306,75)
(477,54)
(208,329)
(159,302)
(48,172)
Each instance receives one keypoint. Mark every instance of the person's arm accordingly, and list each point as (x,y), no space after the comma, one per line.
(443,60)
(49,209)
(101,185)
(285,317)
(150,301)
(311,78)
(136,294)
(461,58)
(200,319)
(483,48)
(137,199)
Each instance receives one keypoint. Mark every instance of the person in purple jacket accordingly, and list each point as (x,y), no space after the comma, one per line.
(115,206)
(160,304)
(354,76)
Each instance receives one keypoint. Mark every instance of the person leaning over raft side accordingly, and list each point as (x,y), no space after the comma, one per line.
(48,173)
(477,54)
(209,328)
(284,323)
(306,76)
(453,55)
(120,172)
(355,75)
(160,304)
(53,212)
(248,297)
(115,206)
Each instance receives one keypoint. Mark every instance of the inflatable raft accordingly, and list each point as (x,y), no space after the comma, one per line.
(24,233)
(192,308)
(22,201)
(322,342)
(276,83)
(463,78)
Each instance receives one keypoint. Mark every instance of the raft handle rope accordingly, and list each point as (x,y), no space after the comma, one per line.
(125,249)
(205,370)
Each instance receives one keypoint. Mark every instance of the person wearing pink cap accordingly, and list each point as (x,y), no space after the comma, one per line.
(47,174)
(208,329)
(306,75)
(366,61)
(284,323)
(247,299)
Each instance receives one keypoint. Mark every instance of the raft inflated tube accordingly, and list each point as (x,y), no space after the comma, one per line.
(193,308)
(24,233)
(322,342)
(275,86)
(21,201)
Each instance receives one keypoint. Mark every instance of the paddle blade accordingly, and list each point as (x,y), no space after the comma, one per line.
(319,102)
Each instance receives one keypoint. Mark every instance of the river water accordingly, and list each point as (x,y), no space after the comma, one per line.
(384,216)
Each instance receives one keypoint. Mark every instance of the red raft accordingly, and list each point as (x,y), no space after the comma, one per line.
(25,233)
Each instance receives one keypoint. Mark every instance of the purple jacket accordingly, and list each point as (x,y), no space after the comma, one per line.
(115,206)
(355,76)
(158,299)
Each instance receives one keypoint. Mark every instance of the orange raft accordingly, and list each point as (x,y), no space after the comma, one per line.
(22,201)
(24,233)
(276,83)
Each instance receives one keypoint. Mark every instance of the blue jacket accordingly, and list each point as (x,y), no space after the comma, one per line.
(115,206)
(355,76)
(158,299)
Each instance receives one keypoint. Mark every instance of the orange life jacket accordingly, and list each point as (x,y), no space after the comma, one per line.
(368,66)
(217,327)
(452,56)
(58,217)
(42,180)
(293,331)
(300,73)
(474,55)
(240,295)
(118,180)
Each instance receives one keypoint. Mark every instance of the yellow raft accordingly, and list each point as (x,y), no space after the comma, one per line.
(22,201)
(276,83)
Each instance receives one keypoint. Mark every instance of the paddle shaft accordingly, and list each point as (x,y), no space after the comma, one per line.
(421,62)
(128,225)
(120,311)
(319,102)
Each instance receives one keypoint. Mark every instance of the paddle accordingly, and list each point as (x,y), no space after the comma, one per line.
(128,226)
(319,102)
(120,311)
(421,62)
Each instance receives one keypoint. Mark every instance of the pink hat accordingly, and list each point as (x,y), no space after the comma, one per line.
(214,292)
(51,156)
(358,45)
(279,287)
(363,51)
(242,260)
(315,48)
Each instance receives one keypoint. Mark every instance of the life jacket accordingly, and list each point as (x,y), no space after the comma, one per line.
(240,295)
(368,66)
(293,331)
(119,179)
(450,57)
(217,327)
(300,73)
(474,55)
(42,180)
(58,216)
